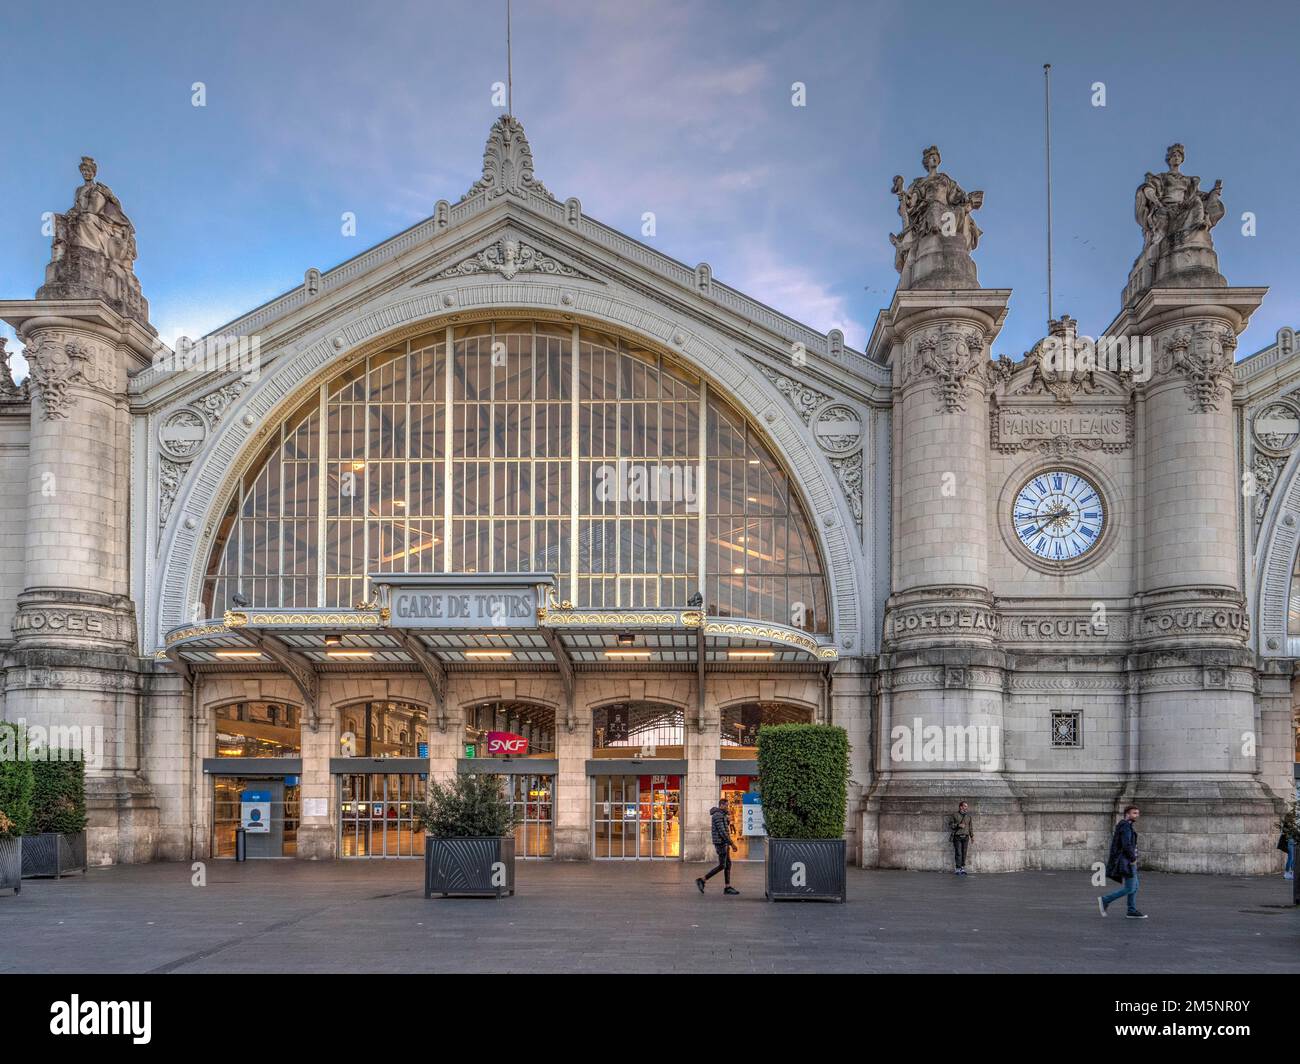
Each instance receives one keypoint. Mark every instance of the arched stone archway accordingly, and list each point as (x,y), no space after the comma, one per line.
(188,536)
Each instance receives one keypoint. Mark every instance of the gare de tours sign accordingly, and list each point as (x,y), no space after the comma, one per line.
(463,600)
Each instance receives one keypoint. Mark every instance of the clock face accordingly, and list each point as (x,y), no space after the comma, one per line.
(1058,515)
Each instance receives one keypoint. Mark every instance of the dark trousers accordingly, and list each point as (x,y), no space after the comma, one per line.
(959,846)
(724,865)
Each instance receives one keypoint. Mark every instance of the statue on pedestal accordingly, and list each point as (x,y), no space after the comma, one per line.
(939,233)
(1176,217)
(94,251)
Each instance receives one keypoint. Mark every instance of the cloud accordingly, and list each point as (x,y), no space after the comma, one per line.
(787,286)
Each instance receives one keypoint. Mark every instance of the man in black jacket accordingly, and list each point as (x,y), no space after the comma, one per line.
(1122,864)
(721,830)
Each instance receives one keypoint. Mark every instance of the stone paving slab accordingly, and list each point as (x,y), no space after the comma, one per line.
(371,916)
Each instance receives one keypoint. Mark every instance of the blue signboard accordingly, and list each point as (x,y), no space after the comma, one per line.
(421,749)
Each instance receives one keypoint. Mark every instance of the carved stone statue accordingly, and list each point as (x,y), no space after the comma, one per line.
(94,251)
(939,232)
(8,389)
(1176,217)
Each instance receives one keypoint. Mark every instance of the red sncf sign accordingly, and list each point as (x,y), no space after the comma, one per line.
(506,744)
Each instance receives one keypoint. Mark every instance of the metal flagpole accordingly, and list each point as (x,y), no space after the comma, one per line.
(1047,121)
(510,79)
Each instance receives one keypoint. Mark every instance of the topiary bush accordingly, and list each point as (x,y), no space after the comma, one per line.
(804,780)
(466,808)
(16,782)
(59,794)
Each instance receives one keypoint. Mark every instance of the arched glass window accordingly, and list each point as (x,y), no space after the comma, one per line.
(535,724)
(646,729)
(259,729)
(368,730)
(739,725)
(534,447)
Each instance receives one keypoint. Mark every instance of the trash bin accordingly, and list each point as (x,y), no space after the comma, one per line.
(241,853)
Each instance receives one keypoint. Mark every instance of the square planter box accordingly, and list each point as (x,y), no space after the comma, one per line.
(481,867)
(806,869)
(50,854)
(11,865)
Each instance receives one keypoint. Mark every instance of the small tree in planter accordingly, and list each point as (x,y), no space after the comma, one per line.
(469,842)
(16,784)
(56,843)
(803,777)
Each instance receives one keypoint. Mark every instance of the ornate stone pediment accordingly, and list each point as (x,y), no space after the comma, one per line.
(507,165)
(508,257)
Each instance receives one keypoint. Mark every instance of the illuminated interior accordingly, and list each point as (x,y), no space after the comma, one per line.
(534,447)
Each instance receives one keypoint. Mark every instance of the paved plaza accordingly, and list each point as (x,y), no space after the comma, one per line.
(295,916)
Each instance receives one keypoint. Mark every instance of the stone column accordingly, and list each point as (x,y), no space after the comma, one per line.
(700,785)
(572,796)
(74,661)
(850,709)
(318,835)
(1204,808)
(941,662)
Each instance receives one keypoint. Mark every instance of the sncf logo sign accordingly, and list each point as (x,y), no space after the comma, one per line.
(506,744)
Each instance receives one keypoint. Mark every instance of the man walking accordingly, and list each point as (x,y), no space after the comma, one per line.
(721,828)
(1122,864)
(961,829)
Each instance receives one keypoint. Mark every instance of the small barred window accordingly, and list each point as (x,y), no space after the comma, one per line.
(1065,729)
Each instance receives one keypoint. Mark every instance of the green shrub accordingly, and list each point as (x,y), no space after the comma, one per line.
(804,779)
(16,782)
(1291,823)
(59,797)
(467,807)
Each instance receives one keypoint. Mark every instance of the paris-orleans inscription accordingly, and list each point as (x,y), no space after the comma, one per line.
(1107,430)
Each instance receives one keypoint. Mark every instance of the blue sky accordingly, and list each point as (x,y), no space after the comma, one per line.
(680,108)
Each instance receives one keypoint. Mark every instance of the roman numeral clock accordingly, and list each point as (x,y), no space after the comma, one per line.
(1059,516)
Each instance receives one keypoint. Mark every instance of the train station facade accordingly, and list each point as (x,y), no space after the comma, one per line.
(512,492)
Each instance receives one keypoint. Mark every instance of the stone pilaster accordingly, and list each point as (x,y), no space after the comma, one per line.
(74,660)
(1198,736)
(941,670)
(572,785)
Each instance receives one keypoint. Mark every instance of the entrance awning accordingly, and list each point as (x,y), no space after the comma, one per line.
(408,625)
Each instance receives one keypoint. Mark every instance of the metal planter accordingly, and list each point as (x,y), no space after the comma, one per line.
(477,867)
(51,854)
(11,865)
(806,870)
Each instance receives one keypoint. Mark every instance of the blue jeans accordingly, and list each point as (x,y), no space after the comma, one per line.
(1130,888)
(1290,856)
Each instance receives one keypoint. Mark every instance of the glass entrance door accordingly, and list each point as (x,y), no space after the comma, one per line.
(637,817)
(532,799)
(376,815)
